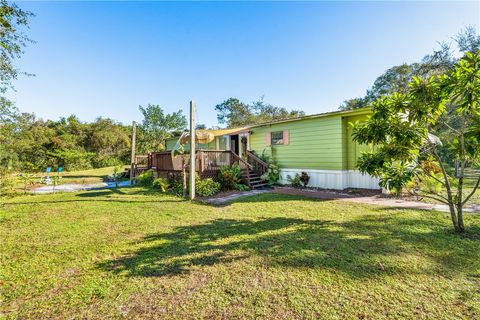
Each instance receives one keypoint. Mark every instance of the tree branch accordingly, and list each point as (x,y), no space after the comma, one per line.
(473,192)
(430,197)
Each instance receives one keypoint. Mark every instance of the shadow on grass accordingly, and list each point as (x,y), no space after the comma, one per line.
(86,176)
(105,195)
(269,197)
(361,248)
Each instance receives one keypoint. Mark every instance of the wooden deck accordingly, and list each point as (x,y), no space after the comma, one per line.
(208,164)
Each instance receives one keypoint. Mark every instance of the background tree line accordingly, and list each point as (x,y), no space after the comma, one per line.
(31,144)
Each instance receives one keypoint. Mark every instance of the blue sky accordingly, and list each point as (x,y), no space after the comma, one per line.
(106,58)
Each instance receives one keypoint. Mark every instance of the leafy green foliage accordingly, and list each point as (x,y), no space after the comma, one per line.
(162,184)
(203,187)
(273,173)
(299,180)
(272,176)
(146,178)
(55,182)
(294,181)
(402,129)
(158,126)
(206,187)
(241,187)
(13,21)
(118,172)
(31,144)
(176,187)
(229,176)
(27,179)
(7,182)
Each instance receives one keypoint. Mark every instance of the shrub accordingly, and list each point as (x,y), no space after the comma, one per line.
(146,178)
(241,187)
(27,180)
(273,174)
(230,176)
(295,182)
(7,183)
(162,184)
(304,178)
(203,187)
(176,187)
(117,174)
(206,187)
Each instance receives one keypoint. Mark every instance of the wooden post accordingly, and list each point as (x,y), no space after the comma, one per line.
(132,159)
(184,179)
(192,150)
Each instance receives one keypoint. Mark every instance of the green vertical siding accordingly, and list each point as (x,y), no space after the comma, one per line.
(314,143)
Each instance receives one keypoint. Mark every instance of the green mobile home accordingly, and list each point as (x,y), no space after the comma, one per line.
(320,145)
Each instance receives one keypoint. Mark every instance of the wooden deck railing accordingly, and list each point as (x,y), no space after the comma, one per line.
(208,162)
(141,160)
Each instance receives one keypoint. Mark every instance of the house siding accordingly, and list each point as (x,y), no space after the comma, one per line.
(354,149)
(313,143)
(321,146)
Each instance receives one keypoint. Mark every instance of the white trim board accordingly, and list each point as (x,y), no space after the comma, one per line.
(333,179)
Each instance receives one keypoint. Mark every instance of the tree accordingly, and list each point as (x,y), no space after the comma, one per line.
(265,112)
(397,78)
(402,130)
(235,113)
(157,127)
(468,40)
(109,140)
(12,42)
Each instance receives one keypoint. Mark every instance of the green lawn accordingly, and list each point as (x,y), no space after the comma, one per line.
(87,176)
(130,254)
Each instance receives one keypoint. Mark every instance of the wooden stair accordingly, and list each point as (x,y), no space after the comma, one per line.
(255,181)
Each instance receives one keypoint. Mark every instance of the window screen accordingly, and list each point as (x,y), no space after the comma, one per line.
(277,137)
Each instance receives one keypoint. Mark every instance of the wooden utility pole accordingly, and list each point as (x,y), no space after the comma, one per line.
(192,150)
(132,159)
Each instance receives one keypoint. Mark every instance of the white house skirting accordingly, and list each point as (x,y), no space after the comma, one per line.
(333,179)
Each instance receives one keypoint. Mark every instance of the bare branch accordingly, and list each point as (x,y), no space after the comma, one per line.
(440,199)
(473,192)
(432,176)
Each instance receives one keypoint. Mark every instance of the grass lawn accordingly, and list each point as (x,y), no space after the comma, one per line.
(129,253)
(87,176)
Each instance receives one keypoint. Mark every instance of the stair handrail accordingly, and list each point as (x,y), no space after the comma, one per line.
(240,159)
(260,163)
(256,158)
(248,166)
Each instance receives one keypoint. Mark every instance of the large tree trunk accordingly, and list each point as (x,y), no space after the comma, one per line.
(453,215)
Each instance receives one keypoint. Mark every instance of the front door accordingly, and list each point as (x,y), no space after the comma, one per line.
(234,144)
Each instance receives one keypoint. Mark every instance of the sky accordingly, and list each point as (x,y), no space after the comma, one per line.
(104,59)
